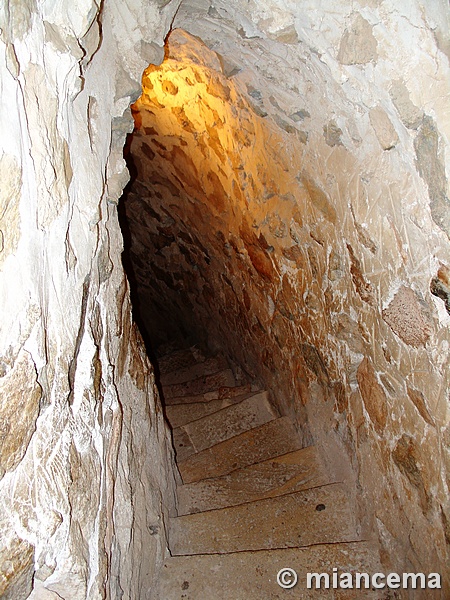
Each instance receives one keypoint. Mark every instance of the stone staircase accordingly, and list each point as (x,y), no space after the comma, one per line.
(251,501)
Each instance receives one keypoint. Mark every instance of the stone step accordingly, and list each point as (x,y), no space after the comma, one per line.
(207,367)
(253,575)
(272,439)
(220,393)
(201,385)
(182,444)
(320,515)
(180,359)
(181,414)
(225,424)
(291,472)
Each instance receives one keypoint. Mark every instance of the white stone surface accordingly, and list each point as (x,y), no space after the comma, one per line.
(91,460)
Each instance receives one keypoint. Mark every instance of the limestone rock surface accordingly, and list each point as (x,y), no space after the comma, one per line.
(85,458)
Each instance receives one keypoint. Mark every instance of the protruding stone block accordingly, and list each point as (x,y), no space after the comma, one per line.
(358,44)
(384,130)
(408,317)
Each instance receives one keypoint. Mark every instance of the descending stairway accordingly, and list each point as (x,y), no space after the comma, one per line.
(252,501)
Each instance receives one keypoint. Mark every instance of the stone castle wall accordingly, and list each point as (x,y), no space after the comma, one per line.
(292,195)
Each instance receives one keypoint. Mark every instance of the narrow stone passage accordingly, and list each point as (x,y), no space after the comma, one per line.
(251,499)
(288,209)
(252,228)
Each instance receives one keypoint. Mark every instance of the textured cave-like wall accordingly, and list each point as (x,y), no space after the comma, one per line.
(85,465)
(350,103)
(291,201)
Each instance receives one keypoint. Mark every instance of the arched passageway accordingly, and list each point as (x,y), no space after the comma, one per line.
(251,233)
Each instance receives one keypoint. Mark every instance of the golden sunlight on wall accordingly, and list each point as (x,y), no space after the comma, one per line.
(225,151)
(216,167)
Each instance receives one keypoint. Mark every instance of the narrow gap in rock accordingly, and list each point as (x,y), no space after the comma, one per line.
(183,214)
(215,252)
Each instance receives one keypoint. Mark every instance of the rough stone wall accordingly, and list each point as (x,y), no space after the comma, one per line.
(85,473)
(294,205)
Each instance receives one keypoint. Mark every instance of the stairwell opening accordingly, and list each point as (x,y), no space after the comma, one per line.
(212,220)
(265,221)
(231,242)
(223,250)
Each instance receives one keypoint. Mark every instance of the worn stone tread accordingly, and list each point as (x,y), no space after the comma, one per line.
(209,366)
(252,575)
(181,414)
(180,359)
(320,515)
(201,385)
(182,445)
(272,439)
(291,472)
(227,423)
(220,393)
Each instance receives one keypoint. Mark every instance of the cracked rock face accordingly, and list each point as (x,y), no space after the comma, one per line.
(20,395)
(290,200)
(84,451)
